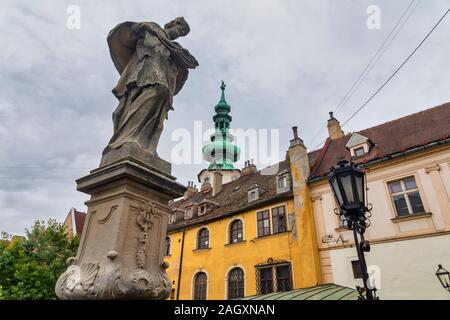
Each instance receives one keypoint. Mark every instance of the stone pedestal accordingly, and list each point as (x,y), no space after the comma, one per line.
(121,250)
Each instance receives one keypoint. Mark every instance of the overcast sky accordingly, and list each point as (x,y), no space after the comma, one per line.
(285,63)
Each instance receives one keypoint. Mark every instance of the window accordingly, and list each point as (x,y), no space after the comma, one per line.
(406,197)
(279,223)
(167,247)
(236,283)
(206,180)
(172,218)
(278,220)
(203,239)
(253,195)
(283,277)
(358,151)
(236,231)
(263,223)
(282,183)
(200,286)
(202,210)
(274,278)
(266,280)
(189,213)
(356,267)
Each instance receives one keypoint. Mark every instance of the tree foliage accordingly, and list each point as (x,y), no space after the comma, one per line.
(30,266)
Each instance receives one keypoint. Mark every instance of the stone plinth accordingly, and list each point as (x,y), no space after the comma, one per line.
(121,250)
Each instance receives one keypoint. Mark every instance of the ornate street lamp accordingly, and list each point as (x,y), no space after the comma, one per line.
(348,184)
(444,277)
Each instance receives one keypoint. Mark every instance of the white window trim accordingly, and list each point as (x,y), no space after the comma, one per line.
(287,186)
(364,145)
(250,192)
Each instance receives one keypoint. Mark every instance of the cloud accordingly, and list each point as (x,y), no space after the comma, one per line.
(285,62)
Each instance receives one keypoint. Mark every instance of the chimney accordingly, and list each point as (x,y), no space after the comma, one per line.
(296,141)
(191,190)
(217,183)
(334,128)
(249,168)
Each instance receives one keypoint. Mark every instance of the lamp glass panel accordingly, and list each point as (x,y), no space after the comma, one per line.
(337,191)
(359,181)
(346,181)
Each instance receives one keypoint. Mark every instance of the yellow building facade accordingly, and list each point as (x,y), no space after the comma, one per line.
(222,256)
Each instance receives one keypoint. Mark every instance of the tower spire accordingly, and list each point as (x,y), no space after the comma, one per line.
(221,152)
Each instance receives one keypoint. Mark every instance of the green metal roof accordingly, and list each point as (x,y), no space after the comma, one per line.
(322,292)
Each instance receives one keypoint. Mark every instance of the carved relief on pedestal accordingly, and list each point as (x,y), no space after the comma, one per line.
(106,279)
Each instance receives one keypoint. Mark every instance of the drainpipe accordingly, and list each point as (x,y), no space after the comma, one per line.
(181,264)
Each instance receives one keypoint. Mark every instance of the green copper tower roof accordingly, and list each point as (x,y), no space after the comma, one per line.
(221,152)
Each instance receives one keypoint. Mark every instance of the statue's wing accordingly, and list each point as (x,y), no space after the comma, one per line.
(121,45)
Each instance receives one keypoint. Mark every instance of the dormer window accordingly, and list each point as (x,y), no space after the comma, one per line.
(358,145)
(283,182)
(189,213)
(253,194)
(172,218)
(358,151)
(202,209)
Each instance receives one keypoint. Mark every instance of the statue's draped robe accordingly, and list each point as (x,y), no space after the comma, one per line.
(155,71)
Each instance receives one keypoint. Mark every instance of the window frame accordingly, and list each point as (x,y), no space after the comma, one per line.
(201,238)
(190,208)
(277,216)
(239,287)
(273,283)
(404,192)
(258,219)
(250,192)
(286,187)
(271,221)
(287,281)
(355,151)
(231,231)
(200,290)
(172,217)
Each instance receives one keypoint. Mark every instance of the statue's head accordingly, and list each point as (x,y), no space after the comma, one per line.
(176,28)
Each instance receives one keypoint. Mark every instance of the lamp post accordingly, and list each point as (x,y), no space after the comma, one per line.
(443,277)
(348,184)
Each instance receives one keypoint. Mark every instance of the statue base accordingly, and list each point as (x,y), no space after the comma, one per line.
(134,152)
(121,249)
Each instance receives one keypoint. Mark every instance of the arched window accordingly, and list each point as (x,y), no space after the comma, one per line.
(200,286)
(167,247)
(236,231)
(236,283)
(203,239)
